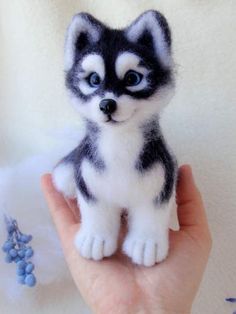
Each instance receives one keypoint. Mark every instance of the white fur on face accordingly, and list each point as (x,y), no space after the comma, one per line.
(127,61)
(138,110)
(128,108)
(91,63)
(78,25)
(90,109)
(149,22)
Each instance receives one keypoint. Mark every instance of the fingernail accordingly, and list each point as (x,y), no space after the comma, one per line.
(187,168)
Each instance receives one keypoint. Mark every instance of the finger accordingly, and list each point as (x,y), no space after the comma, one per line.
(190,205)
(61,213)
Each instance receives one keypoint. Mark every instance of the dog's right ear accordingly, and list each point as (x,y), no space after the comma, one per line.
(83,31)
(151,30)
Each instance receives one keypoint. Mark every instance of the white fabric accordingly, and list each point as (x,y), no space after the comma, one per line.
(200,122)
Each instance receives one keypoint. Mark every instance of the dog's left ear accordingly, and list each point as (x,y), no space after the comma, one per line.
(83,32)
(151,30)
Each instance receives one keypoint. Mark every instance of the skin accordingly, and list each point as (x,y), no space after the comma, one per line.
(115,285)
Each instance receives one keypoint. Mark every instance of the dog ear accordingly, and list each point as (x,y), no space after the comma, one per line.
(83,31)
(151,30)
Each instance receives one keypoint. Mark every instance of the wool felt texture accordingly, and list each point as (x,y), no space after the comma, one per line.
(119,81)
(34,101)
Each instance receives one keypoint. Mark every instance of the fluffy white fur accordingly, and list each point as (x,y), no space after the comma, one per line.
(127,106)
(147,240)
(126,61)
(93,63)
(64,176)
(120,185)
(90,63)
(149,22)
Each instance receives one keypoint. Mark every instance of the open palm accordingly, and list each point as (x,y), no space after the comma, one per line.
(115,285)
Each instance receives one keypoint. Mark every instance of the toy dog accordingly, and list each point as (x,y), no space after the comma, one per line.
(120,80)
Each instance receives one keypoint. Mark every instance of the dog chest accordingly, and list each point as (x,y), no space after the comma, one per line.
(120,183)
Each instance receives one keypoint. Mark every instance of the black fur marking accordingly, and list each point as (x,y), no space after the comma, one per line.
(155,151)
(83,187)
(86,150)
(82,42)
(146,40)
(110,44)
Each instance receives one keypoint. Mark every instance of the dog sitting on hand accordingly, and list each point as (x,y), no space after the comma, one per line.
(120,80)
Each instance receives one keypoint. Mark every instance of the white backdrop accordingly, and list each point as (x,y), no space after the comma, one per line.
(200,122)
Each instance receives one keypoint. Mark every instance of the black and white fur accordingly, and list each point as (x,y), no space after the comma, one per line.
(123,161)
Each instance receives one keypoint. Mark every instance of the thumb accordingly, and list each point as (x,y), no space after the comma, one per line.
(190,210)
(61,211)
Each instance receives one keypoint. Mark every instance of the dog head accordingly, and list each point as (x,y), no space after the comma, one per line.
(118,76)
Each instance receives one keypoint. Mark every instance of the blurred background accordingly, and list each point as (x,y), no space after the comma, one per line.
(200,122)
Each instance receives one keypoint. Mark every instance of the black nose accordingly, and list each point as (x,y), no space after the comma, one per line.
(108,106)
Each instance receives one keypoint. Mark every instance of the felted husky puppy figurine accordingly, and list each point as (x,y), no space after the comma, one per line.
(119,80)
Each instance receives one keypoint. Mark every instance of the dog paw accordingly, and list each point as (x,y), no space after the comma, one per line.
(146,251)
(95,246)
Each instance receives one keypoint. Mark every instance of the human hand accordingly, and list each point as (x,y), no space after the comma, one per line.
(115,285)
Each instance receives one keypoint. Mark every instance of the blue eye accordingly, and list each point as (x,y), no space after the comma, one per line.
(132,78)
(94,79)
